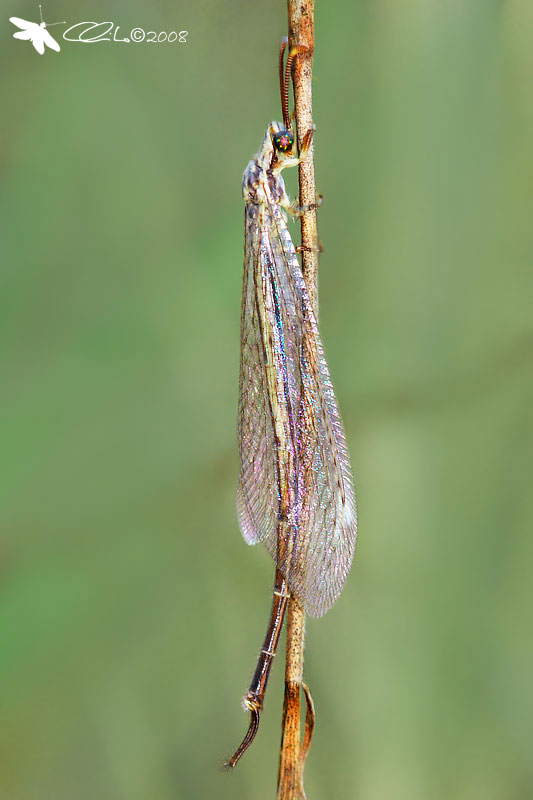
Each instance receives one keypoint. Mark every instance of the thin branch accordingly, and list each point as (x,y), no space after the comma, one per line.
(291,763)
(293,753)
(302,32)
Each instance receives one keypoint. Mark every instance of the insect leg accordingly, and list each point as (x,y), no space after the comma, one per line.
(297,210)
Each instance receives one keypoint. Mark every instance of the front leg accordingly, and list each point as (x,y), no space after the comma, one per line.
(297,210)
(294,208)
(306,143)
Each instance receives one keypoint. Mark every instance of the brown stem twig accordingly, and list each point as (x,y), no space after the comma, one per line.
(301,32)
(293,753)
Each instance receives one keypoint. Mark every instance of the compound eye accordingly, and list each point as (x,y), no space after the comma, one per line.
(283,141)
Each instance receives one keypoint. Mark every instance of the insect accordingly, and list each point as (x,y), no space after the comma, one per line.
(37,34)
(295,490)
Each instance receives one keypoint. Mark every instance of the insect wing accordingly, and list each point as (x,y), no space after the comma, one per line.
(49,40)
(257,496)
(38,43)
(23,35)
(323,516)
(324,524)
(23,24)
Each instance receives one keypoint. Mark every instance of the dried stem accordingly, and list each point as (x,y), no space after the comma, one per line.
(293,753)
(302,32)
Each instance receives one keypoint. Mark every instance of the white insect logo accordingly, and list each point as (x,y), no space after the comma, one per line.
(37,34)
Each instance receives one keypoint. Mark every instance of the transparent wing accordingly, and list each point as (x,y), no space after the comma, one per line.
(257,496)
(50,41)
(322,528)
(22,23)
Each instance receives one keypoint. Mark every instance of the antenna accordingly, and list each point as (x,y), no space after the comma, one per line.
(49,24)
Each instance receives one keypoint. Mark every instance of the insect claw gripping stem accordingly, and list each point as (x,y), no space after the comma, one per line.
(306,143)
(297,210)
(303,248)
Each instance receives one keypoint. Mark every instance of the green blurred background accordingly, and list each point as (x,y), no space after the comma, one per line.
(131,611)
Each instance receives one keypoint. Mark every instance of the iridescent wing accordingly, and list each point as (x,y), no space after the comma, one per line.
(323,517)
(257,496)
(325,526)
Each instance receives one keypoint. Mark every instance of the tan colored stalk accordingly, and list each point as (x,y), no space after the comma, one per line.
(293,751)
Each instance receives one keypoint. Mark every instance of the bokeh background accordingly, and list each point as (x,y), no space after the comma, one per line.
(131,611)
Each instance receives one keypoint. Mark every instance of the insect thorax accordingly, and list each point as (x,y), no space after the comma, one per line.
(262,185)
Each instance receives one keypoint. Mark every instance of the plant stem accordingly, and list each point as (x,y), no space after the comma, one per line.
(292,753)
(301,32)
